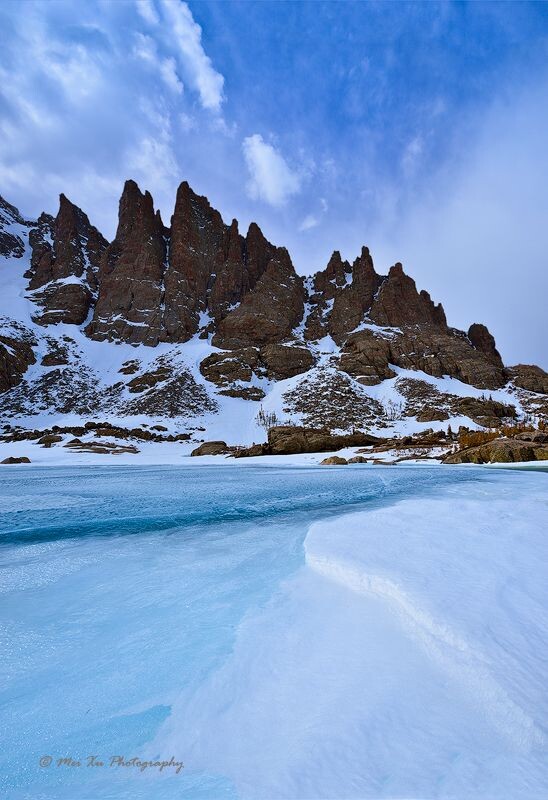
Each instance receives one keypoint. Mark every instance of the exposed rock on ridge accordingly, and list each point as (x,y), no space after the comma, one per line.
(66,252)
(158,284)
(129,305)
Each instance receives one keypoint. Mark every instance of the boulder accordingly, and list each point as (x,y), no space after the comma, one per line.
(49,439)
(217,448)
(228,366)
(16,460)
(248,452)
(358,460)
(333,461)
(432,415)
(536,437)
(502,451)
(288,439)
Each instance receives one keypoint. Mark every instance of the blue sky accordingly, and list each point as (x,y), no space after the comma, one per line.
(417,128)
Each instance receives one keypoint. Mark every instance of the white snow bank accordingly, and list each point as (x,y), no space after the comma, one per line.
(405,659)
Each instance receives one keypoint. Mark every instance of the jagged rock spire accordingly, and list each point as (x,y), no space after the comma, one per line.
(131,274)
(399,303)
(66,253)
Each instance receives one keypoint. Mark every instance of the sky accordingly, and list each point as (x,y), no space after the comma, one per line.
(418,129)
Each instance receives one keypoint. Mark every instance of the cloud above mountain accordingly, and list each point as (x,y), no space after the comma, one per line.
(271,179)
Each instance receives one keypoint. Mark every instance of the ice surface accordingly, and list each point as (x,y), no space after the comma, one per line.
(290,632)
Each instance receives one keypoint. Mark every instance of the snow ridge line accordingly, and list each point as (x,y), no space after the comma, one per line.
(451,652)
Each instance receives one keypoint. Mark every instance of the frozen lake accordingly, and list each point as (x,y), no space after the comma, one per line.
(285,632)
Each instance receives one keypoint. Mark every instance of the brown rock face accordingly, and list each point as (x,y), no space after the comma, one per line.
(196,252)
(164,285)
(399,303)
(527,376)
(66,252)
(130,280)
(433,350)
(484,342)
(282,361)
(211,449)
(16,356)
(341,296)
(499,451)
(353,302)
(275,361)
(202,277)
(286,440)
(366,357)
(211,266)
(269,313)
(488,413)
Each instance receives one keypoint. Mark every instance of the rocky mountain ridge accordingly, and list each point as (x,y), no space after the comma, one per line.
(197,323)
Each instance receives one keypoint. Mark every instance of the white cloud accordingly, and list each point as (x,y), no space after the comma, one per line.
(271,179)
(148,11)
(145,48)
(476,237)
(186,34)
(309,222)
(411,156)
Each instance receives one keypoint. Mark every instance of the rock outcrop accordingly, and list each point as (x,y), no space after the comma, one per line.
(333,461)
(229,368)
(66,253)
(269,313)
(501,451)
(340,297)
(399,303)
(484,342)
(291,440)
(16,355)
(530,377)
(160,284)
(129,305)
(287,440)
(437,351)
